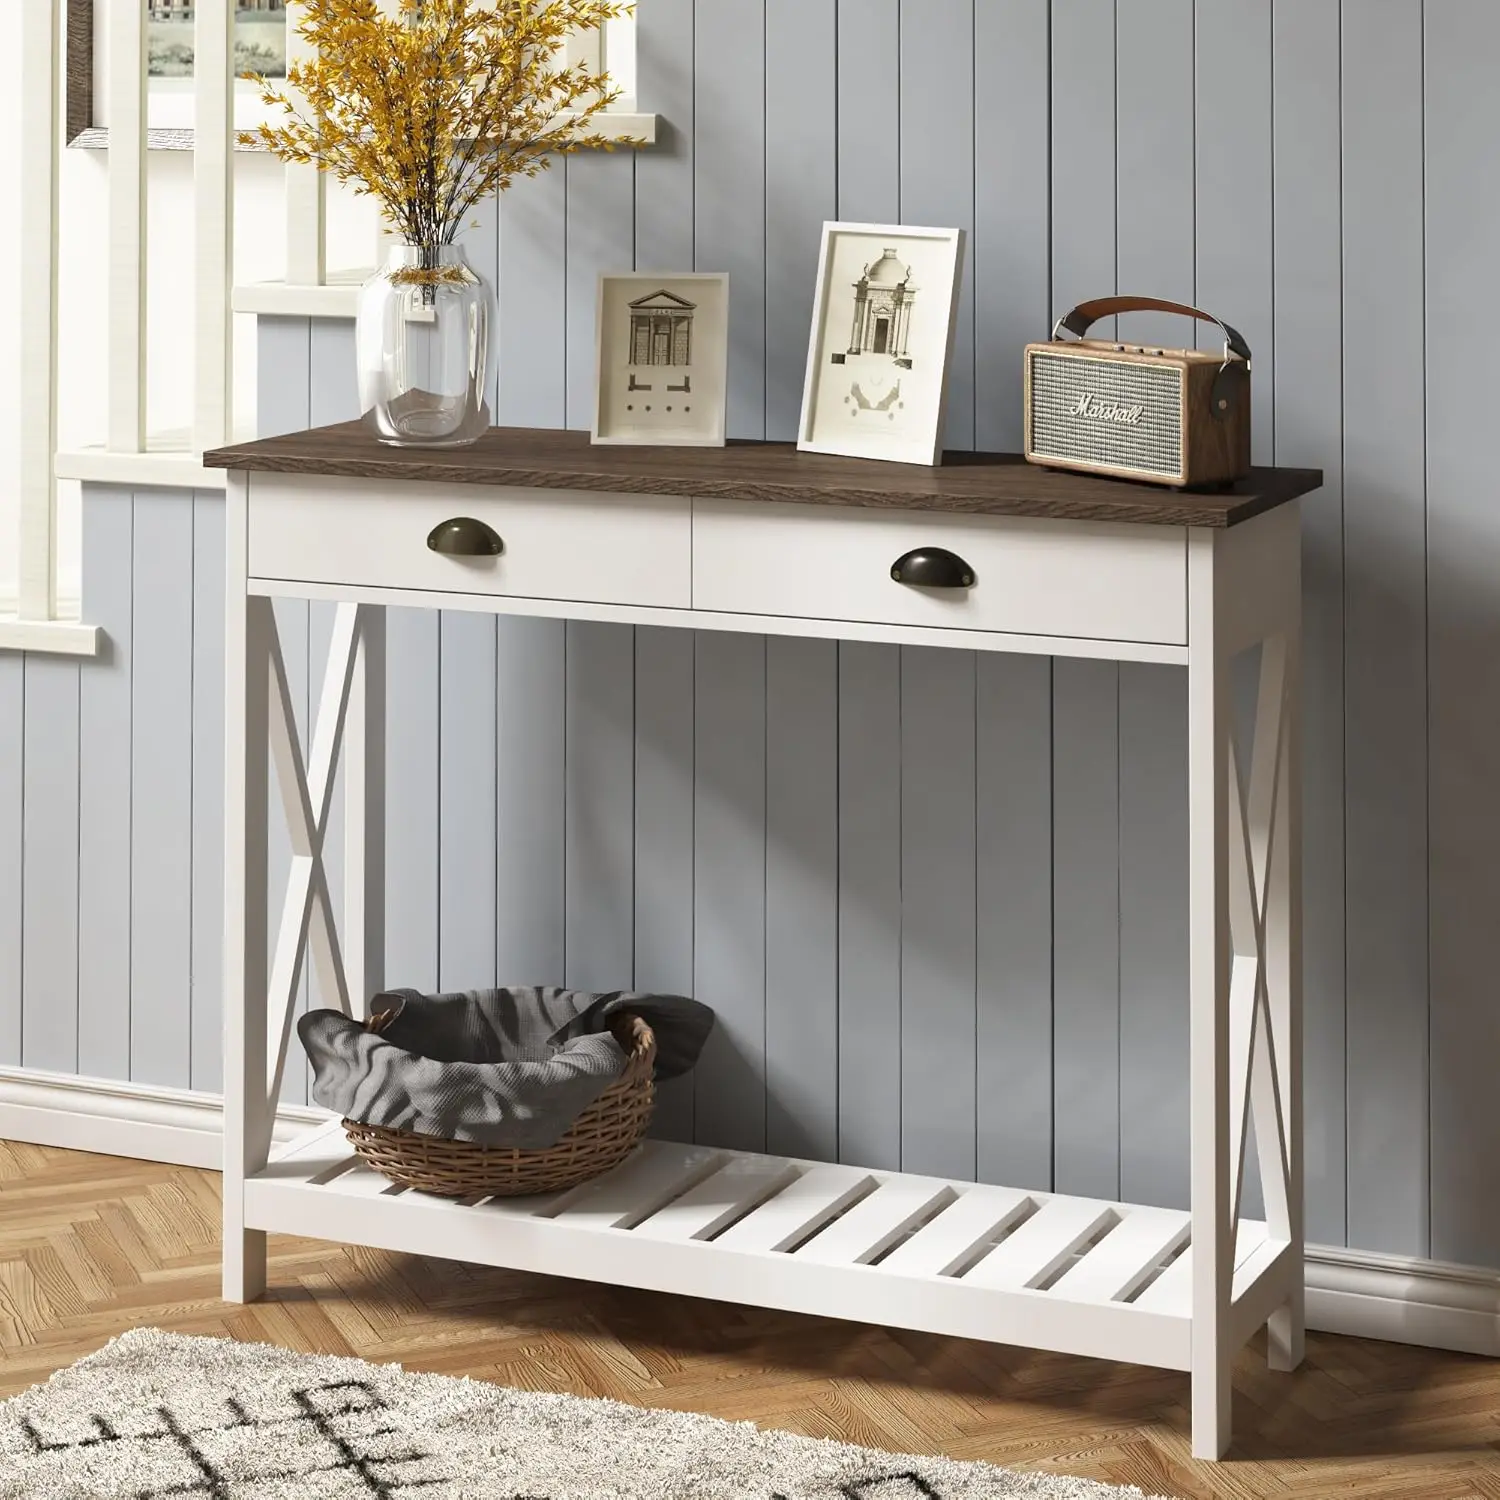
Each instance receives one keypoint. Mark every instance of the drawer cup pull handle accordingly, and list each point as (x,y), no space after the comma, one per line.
(463,536)
(933,568)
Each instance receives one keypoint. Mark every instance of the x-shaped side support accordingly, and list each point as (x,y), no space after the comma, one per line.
(307,919)
(1255,821)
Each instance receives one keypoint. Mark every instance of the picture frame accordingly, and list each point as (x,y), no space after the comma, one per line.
(884,312)
(662,358)
(261,36)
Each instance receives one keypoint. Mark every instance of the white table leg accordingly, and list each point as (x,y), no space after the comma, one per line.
(1285,1332)
(364,815)
(249,632)
(1208,827)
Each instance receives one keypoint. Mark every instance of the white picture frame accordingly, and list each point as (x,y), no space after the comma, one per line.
(661,358)
(897,334)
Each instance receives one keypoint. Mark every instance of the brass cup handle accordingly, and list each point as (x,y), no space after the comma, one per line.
(463,536)
(933,568)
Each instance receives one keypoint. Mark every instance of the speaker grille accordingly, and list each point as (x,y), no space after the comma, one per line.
(1153,445)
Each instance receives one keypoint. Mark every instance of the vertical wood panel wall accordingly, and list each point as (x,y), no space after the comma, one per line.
(938,901)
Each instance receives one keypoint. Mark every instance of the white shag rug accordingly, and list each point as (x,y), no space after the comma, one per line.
(161,1416)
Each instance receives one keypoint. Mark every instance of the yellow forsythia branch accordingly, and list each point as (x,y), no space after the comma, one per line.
(435,107)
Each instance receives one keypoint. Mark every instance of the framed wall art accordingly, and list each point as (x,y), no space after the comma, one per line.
(663,358)
(260,46)
(882,337)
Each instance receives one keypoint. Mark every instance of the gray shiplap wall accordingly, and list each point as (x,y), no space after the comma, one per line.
(938,899)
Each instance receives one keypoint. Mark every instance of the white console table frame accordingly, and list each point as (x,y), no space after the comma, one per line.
(1150,1286)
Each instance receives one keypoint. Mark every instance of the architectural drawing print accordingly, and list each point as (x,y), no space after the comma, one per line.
(663,343)
(661,329)
(883,319)
(883,298)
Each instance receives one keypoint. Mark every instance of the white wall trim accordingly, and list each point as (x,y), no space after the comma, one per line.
(1403,1300)
(61,637)
(612,124)
(183,1127)
(1353,1292)
(160,469)
(336,298)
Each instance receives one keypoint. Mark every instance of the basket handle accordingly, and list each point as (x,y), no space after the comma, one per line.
(634,1034)
(1086,314)
(377,1021)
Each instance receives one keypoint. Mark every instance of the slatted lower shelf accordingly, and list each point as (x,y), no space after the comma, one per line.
(1035,1269)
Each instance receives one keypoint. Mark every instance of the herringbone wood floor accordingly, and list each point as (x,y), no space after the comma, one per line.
(92,1245)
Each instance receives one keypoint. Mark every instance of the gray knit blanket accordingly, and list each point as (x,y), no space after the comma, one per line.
(509,1068)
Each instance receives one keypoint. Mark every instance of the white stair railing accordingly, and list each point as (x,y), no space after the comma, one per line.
(306,195)
(126,53)
(213,194)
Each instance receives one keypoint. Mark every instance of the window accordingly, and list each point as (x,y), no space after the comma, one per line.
(148,431)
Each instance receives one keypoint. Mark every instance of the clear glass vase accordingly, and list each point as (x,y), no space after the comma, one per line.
(422,344)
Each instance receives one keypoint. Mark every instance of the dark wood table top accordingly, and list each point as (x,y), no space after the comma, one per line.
(998,484)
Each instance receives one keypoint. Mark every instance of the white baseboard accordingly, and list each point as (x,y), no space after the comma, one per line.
(1348,1291)
(1404,1301)
(179,1126)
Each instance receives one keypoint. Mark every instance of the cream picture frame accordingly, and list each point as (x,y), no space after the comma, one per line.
(884,313)
(662,358)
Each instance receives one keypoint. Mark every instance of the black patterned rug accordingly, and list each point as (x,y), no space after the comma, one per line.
(160,1416)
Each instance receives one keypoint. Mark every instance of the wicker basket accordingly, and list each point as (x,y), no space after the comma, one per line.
(600,1138)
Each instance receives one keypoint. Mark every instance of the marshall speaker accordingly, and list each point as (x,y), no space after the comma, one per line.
(1172,416)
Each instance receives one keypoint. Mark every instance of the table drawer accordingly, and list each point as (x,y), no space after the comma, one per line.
(1100,581)
(605,548)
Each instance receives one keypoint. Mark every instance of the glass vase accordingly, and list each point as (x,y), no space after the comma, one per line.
(421,338)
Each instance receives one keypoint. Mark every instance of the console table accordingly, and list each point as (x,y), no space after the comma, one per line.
(982,553)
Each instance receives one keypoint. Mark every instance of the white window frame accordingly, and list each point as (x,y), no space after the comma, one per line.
(35,625)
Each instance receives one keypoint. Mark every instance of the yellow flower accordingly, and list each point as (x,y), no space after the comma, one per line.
(432,109)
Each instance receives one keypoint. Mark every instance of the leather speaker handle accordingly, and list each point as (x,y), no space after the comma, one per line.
(1086,314)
